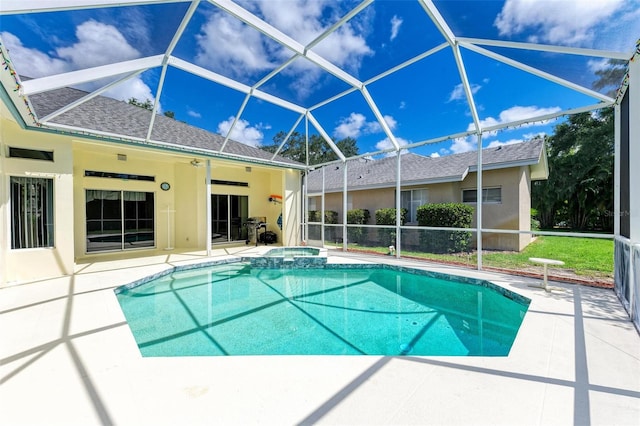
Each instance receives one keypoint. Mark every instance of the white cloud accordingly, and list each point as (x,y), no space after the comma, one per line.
(497,143)
(226,45)
(133,88)
(517,113)
(434,155)
(194,114)
(229,46)
(568,22)
(458,92)
(463,144)
(530,136)
(356,125)
(395,26)
(31,62)
(386,144)
(242,131)
(97,44)
(510,115)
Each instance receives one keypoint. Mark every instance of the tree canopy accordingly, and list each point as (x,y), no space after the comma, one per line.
(319,150)
(579,191)
(148,105)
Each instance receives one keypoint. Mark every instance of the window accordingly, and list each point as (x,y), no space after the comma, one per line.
(31,212)
(119,220)
(489,195)
(114,175)
(32,154)
(312,203)
(229,183)
(411,200)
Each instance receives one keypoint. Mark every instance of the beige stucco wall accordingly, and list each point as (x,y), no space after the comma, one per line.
(512,213)
(28,264)
(184,227)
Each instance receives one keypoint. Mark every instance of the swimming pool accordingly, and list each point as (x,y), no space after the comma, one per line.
(236,309)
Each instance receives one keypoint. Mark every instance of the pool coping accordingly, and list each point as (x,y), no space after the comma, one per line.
(516,297)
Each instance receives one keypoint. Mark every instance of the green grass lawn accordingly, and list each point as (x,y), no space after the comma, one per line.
(587,257)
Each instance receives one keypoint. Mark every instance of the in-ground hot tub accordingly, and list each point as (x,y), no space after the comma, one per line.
(290,257)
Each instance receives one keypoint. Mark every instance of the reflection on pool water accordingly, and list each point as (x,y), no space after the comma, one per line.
(236,309)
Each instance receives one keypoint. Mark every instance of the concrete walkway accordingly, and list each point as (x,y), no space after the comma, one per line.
(67,357)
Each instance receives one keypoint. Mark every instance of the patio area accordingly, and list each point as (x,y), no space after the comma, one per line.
(69,358)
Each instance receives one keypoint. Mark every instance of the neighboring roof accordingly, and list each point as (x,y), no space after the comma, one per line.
(118,118)
(417,169)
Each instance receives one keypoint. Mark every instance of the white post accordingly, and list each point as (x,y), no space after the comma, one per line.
(169,211)
(634,175)
(208,200)
(616,172)
(479,203)
(322,209)
(398,202)
(634,149)
(344,207)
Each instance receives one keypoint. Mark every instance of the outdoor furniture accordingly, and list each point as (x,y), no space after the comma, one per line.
(545,262)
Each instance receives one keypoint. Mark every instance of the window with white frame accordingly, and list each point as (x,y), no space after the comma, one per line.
(411,200)
(312,204)
(489,195)
(31,212)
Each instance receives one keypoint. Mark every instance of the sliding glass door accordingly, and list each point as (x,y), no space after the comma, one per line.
(228,215)
(119,220)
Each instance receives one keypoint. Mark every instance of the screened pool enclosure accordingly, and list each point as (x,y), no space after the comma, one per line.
(383,105)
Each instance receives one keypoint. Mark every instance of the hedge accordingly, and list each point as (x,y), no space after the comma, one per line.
(450,215)
(388,217)
(357,217)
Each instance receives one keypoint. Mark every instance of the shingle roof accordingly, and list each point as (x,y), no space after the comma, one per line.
(418,169)
(108,115)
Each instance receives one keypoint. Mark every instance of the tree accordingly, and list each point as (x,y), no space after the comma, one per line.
(148,105)
(295,148)
(611,76)
(579,190)
(170,114)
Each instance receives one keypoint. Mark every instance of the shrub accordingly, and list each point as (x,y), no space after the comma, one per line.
(330,232)
(453,215)
(388,217)
(358,217)
(314,216)
(330,217)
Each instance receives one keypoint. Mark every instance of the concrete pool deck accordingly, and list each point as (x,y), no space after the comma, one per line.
(67,357)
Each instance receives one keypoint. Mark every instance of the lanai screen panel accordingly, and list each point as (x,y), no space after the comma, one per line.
(422,74)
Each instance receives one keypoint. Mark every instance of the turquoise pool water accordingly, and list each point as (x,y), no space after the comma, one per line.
(235,309)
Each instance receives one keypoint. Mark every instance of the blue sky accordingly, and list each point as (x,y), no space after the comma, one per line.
(420,102)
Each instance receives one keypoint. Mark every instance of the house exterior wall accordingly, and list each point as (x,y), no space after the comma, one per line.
(33,263)
(513,212)
(183,228)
